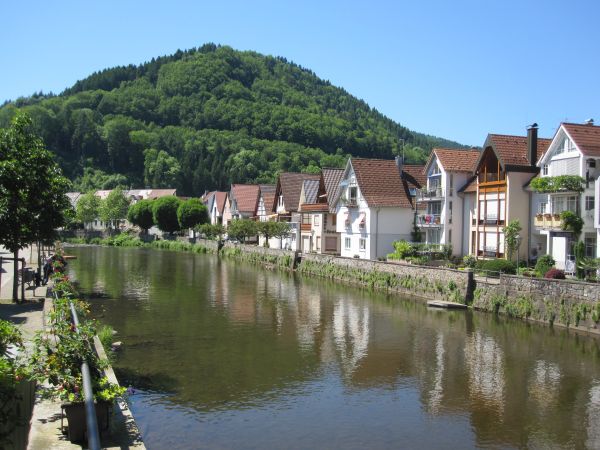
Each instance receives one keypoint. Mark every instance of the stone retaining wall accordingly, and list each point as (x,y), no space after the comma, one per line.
(285,259)
(212,245)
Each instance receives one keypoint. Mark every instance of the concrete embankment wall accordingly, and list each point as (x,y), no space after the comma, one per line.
(572,304)
(566,303)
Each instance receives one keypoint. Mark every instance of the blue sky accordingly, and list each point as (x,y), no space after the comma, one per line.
(457,69)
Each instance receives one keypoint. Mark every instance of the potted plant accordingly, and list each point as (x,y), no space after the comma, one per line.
(58,360)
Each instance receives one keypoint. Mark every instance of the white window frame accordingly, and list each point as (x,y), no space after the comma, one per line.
(362,244)
(347,243)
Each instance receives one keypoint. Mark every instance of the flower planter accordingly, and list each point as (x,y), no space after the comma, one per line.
(76,424)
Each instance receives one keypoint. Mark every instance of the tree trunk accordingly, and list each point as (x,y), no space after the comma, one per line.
(15,295)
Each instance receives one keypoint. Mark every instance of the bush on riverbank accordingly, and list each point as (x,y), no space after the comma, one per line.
(129,240)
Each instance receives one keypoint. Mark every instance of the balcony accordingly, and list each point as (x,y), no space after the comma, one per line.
(491,220)
(429,220)
(431,194)
(305,227)
(548,221)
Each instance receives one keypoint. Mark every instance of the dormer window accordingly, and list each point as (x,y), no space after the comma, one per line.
(352,195)
(545,170)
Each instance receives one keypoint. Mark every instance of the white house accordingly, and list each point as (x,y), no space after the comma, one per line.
(375,206)
(574,150)
(441,208)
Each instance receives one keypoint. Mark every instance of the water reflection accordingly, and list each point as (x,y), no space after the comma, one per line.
(244,357)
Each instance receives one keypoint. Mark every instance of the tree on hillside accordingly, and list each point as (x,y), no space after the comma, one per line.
(88,208)
(165,213)
(160,169)
(114,207)
(141,214)
(32,190)
(192,213)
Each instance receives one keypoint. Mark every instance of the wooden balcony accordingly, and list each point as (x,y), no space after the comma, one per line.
(305,227)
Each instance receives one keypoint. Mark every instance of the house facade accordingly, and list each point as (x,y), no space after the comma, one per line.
(504,168)
(216,206)
(574,151)
(440,208)
(319,218)
(266,196)
(375,206)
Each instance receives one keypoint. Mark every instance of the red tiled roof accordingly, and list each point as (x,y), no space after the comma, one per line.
(586,137)
(380,182)
(512,150)
(246,197)
(268,194)
(455,160)
(220,198)
(471,185)
(290,185)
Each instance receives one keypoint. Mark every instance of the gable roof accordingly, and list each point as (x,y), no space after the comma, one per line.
(246,197)
(220,199)
(310,189)
(267,191)
(586,137)
(454,160)
(331,179)
(380,182)
(290,185)
(512,150)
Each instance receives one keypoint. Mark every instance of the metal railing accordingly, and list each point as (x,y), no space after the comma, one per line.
(91,421)
(429,220)
(431,193)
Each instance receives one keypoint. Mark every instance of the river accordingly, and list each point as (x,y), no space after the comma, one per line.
(225,355)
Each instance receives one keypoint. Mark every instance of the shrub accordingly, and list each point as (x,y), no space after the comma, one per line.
(403,249)
(555,274)
(498,265)
(544,264)
(470,261)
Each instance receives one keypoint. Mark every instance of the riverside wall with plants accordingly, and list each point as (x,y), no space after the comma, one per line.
(270,257)
(426,282)
(572,304)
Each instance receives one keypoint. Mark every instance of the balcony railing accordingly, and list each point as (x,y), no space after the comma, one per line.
(305,227)
(429,220)
(424,195)
(491,220)
(548,221)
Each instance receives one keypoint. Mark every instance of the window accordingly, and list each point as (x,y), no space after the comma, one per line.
(330,243)
(449,212)
(362,244)
(305,219)
(318,242)
(412,191)
(316,220)
(590,246)
(545,169)
(280,201)
(543,208)
(449,237)
(334,220)
(589,203)
(352,194)
(451,184)
(347,243)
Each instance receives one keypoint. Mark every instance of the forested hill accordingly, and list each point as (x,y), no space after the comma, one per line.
(203,118)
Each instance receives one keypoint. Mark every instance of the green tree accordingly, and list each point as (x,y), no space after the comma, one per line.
(114,208)
(165,213)
(512,239)
(271,229)
(32,190)
(88,208)
(212,231)
(141,214)
(160,169)
(192,213)
(242,229)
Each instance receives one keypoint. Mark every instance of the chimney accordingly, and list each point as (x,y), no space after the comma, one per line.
(532,143)
(399,163)
(589,122)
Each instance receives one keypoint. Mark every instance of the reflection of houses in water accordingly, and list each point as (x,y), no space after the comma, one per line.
(593,418)
(308,316)
(485,361)
(544,385)
(137,287)
(437,391)
(219,286)
(351,333)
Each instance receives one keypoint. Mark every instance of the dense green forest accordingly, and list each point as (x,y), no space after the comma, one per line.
(203,118)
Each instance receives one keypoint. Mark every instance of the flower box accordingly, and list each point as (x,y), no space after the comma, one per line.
(75,412)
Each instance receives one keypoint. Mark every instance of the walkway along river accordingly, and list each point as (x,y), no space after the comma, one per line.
(227,355)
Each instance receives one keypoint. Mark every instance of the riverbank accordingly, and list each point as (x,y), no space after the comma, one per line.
(566,303)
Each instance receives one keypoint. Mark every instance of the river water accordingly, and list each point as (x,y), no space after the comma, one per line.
(225,355)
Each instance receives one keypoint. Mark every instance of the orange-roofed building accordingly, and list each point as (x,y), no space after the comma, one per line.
(575,151)
(375,205)
(440,207)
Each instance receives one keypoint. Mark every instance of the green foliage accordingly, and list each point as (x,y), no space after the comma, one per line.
(242,229)
(141,214)
(561,183)
(212,231)
(571,222)
(192,213)
(203,118)
(470,261)
(269,229)
(511,237)
(544,264)
(402,249)
(165,213)
(32,189)
(88,208)
(114,207)
(106,334)
(497,265)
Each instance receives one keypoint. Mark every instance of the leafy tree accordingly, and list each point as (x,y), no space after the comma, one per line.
(165,213)
(242,229)
(114,208)
(512,240)
(269,229)
(32,190)
(160,169)
(88,208)
(192,213)
(96,179)
(141,214)
(211,231)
